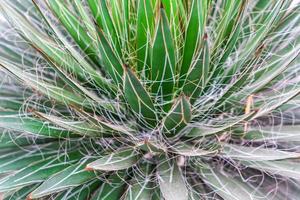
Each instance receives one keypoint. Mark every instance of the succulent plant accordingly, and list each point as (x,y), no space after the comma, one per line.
(149,99)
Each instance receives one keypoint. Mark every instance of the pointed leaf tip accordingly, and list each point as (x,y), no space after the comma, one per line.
(88,168)
(171,182)
(138,97)
(179,116)
(114,161)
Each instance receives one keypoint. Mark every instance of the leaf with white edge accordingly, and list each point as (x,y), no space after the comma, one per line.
(189,150)
(79,127)
(118,160)
(229,48)
(19,194)
(179,116)
(253,42)
(82,192)
(92,127)
(57,93)
(85,66)
(286,168)
(72,176)
(193,37)
(138,191)
(227,187)
(49,48)
(238,152)
(89,22)
(15,160)
(152,145)
(176,18)
(198,74)
(10,103)
(13,140)
(112,64)
(282,133)
(111,189)
(30,124)
(138,98)
(226,25)
(278,100)
(144,27)
(163,61)
(171,182)
(274,67)
(141,187)
(202,131)
(87,128)
(39,171)
(75,28)
(101,13)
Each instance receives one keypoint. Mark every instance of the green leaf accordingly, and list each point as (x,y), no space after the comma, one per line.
(189,150)
(227,124)
(138,98)
(175,18)
(232,11)
(260,15)
(193,37)
(82,192)
(281,133)
(10,103)
(117,15)
(238,152)
(21,193)
(39,171)
(72,176)
(57,93)
(113,65)
(232,89)
(227,187)
(88,20)
(10,52)
(171,182)
(49,48)
(141,187)
(179,116)
(79,127)
(254,42)
(104,20)
(28,123)
(288,22)
(121,159)
(90,127)
(145,25)
(163,60)
(282,97)
(124,24)
(75,29)
(286,168)
(85,69)
(231,40)
(13,140)
(19,159)
(111,189)
(198,75)
(152,145)
(274,66)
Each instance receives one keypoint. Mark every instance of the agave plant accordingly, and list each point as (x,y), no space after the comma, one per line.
(149,99)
